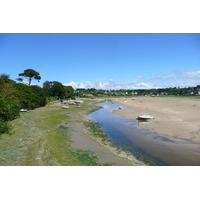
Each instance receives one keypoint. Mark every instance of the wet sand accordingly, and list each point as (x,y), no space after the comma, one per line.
(176,117)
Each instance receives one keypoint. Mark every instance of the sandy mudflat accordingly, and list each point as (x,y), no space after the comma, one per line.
(178,117)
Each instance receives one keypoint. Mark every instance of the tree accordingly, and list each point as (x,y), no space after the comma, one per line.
(30,74)
(5,77)
(69,92)
(57,90)
(9,105)
(47,85)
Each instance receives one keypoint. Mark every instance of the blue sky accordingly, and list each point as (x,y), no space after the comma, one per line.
(105,60)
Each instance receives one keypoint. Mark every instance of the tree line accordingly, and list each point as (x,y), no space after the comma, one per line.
(17,95)
(176,91)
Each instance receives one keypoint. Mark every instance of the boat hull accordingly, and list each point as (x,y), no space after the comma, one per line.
(145,117)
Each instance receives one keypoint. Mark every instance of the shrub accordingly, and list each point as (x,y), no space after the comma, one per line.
(5,127)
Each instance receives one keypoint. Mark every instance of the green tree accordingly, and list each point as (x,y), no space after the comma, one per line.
(69,92)
(57,90)
(9,105)
(30,74)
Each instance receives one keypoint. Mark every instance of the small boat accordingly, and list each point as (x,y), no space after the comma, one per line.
(79,102)
(65,107)
(120,107)
(145,116)
(23,110)
(72,103)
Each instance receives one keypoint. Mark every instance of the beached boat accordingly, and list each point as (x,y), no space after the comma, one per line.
(72,103)
(65,107)
(145,116)
(23,110)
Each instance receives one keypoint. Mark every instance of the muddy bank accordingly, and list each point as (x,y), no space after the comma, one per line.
(83,139)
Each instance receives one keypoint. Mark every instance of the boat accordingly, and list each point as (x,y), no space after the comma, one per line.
(145,116)
(120,107)
(72,103)
(23,110)
(65,107)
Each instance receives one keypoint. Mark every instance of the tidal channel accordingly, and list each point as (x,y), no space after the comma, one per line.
(149,147)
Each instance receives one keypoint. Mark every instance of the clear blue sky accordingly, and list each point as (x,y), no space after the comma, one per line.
(104,60)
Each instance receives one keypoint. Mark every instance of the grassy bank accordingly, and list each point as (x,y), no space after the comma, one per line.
(42,138)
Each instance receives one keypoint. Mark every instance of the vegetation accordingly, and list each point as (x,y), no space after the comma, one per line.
(15,96)
(96,130)
(57,90)
(30,74)
(43,139)
(176,91)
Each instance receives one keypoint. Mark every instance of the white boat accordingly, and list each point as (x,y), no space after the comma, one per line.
(145,116)
(65,107)
(79,102)
(120,107)
(23,110)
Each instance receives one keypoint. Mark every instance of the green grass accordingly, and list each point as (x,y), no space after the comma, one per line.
(41,139)
(95,129)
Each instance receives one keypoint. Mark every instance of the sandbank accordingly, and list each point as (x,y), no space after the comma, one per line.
(176,117)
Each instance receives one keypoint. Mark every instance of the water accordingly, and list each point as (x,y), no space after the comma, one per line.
(149,147)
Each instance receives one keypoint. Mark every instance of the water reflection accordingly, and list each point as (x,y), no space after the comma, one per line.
(145,121)
(149,147)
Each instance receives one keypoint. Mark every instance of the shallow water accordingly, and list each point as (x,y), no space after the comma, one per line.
(149,147)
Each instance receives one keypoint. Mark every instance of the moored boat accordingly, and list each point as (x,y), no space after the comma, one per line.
(145,116)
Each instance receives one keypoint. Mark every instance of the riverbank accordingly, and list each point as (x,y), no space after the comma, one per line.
(175,117)
(52,136)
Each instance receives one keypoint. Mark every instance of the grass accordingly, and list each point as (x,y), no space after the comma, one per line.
(95,129)
(41,138)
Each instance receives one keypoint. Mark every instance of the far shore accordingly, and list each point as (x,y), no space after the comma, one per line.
(173,116)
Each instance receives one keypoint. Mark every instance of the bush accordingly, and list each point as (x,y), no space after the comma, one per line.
(9,109)
(5,127)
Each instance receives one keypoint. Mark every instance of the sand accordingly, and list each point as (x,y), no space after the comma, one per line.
(173,116)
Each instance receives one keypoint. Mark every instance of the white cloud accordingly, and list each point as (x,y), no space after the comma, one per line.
(162,80)
(176,78)
(111,84)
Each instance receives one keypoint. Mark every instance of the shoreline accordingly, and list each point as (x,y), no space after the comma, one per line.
(175,117)
(104,152)
(84,140)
